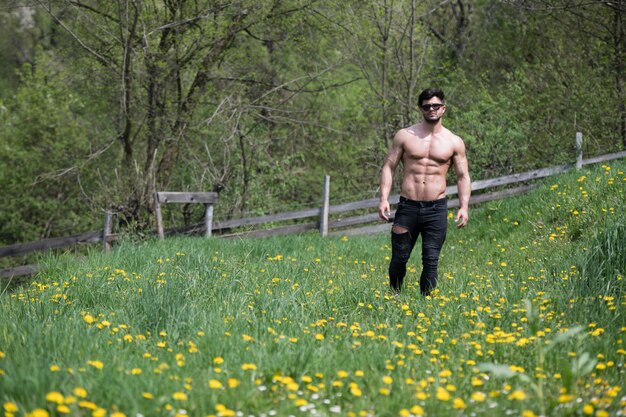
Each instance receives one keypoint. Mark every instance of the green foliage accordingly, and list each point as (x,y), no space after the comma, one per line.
(43,141)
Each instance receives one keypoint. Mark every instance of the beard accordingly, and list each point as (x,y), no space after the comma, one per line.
(432,119)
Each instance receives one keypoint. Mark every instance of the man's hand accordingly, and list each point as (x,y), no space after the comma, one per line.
(461,218)
(384,211)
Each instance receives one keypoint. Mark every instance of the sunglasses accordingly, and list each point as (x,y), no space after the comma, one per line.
(427,107)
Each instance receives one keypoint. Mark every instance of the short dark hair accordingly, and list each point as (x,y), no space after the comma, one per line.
(430,93)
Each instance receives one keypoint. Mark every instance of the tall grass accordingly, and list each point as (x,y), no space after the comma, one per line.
(527,321)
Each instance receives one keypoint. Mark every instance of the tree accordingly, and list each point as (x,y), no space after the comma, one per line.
(162,61)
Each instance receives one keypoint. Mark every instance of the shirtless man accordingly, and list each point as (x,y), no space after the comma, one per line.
(426,150)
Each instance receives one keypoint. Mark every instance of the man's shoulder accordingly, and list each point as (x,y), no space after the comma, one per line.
(453,137)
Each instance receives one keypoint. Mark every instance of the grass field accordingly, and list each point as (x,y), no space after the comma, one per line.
(528,320)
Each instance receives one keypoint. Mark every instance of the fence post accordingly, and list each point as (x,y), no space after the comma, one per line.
(159,219)
(325,207)
(208,219)
(106,231)
(579,150)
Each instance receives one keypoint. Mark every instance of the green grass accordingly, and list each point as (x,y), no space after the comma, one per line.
(527,321)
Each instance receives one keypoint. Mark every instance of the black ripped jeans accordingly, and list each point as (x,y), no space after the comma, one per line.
(428,218)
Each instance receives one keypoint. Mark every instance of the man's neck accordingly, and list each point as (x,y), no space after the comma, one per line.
(432,127)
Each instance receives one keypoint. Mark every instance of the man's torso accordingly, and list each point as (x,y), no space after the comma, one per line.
(426,159)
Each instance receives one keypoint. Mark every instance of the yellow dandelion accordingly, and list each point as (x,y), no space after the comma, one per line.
(215,384)
(384,391)
(118,414)
(319,336)
(588,409)
(518,395)
(180,396)
(355,390)
(99,412)
(136,371)
(10,407)
(458,404)
(387,380)
(416,410)
(342,374)
(442,394)
(147,395)
(55,397)
(55,368)
(233,383)
(96,364)
(89,319)
(87,404)
(479,396)
(248,367)
(528,413)
(218,360)
(80,392)
(38,412)
(63,409)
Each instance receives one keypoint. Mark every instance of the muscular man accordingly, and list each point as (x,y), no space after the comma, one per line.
(426,150)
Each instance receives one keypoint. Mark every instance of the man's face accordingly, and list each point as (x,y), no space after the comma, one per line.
(432,109)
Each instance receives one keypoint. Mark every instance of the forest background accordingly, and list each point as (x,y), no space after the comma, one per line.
(104,102)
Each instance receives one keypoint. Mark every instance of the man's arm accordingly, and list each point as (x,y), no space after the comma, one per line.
(386,177)
(463,183)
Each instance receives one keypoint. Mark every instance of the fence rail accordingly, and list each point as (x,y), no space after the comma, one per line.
(321,214)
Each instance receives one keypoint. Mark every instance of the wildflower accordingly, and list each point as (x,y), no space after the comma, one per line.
(63,409)
(384,391)
(55,368)
(118,414)
(442,394)
(80,392)
(10,407)
(136,371)
(233,383)
(89,319)
(528,413)
(248,367)
(96,364)
(38,412)
(319,336)
(479,396)
(517,395)
(215,384)
(180,396)
(387,380)
(147,395)
(218,360)
(55,397)
(342,374)
(355,390)
(458,404)
(87,404)
(416,410)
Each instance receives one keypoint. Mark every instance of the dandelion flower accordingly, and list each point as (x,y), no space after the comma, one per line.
(80,392)
(180,396)
(518,395)
(215,384)
(10,407)
(38,412)
(442,394)
(55,397)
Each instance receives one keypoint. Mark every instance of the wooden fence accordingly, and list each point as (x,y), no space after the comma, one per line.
(321,216)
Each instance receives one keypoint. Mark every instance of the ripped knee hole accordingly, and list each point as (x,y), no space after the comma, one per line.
(399,229)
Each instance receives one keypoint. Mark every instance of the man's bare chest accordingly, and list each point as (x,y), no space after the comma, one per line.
(435,150)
